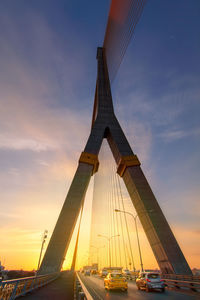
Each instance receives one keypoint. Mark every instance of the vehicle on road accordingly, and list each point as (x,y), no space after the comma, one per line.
(150,281)
(103,273)
(127,274)
(114,269)
(115,281)
(87,273)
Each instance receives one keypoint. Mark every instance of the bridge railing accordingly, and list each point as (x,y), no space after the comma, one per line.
(185,282)
(11,289)
(81,291)
(181,277)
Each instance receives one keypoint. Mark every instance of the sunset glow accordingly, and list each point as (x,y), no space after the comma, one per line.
(47,84)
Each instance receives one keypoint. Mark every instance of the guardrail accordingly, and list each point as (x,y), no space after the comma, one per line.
(182,277)
(11,289)
(183,284)
(81,292)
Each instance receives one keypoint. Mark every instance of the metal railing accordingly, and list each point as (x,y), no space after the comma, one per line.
(181,277)
(185,282)
(11,289)
(81,292)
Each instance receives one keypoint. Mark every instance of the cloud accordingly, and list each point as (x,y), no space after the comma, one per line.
(45,120)
(14,143)
(43,163)
(44,125)
(53,130)
(38,88)
(19,236)
(172,135)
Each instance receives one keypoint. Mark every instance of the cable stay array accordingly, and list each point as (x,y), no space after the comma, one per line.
(111,242)
(122,20)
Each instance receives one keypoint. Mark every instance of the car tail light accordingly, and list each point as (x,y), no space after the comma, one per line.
(148,280)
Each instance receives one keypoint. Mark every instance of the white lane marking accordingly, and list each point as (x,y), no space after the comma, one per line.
(87,294)
(99,282)
(99,297)
(92,280)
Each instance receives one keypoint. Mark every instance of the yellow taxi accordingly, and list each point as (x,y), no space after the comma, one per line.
(114,281)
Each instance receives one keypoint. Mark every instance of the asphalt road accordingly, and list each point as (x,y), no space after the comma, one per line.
(59,289)
(95,287)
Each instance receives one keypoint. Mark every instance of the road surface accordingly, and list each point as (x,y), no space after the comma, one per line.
(95,287)
(60,289)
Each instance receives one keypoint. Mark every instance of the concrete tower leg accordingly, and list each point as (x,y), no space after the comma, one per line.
(162,241)
(105,125)
(60,239)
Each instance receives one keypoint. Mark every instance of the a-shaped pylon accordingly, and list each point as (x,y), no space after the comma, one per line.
(105,125)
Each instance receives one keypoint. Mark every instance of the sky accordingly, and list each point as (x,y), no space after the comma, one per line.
(47,84)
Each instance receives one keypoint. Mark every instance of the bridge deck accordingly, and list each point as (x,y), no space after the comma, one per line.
(95,287)
(61,288)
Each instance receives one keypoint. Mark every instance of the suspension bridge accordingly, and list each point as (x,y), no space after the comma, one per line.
(123,201)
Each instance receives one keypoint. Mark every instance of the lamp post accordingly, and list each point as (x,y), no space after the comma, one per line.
(138,241)
(109,239)
(44,237)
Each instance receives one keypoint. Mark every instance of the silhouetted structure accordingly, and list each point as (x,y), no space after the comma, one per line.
(105,125)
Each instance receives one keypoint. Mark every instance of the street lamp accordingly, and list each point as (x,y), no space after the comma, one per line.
(44,237)
(109,239)
(134,217)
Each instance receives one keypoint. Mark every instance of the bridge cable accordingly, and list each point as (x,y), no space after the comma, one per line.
(121,41)
(108,200)
(113,241)
(125,218)
(117,216)
(125,44)
(122,20)
(110,220)
(121,221)
(114,214)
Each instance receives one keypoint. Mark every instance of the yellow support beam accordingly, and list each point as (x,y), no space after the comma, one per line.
(127,161)
(91,159)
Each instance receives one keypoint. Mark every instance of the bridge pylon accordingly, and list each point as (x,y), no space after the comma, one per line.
(105,125)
